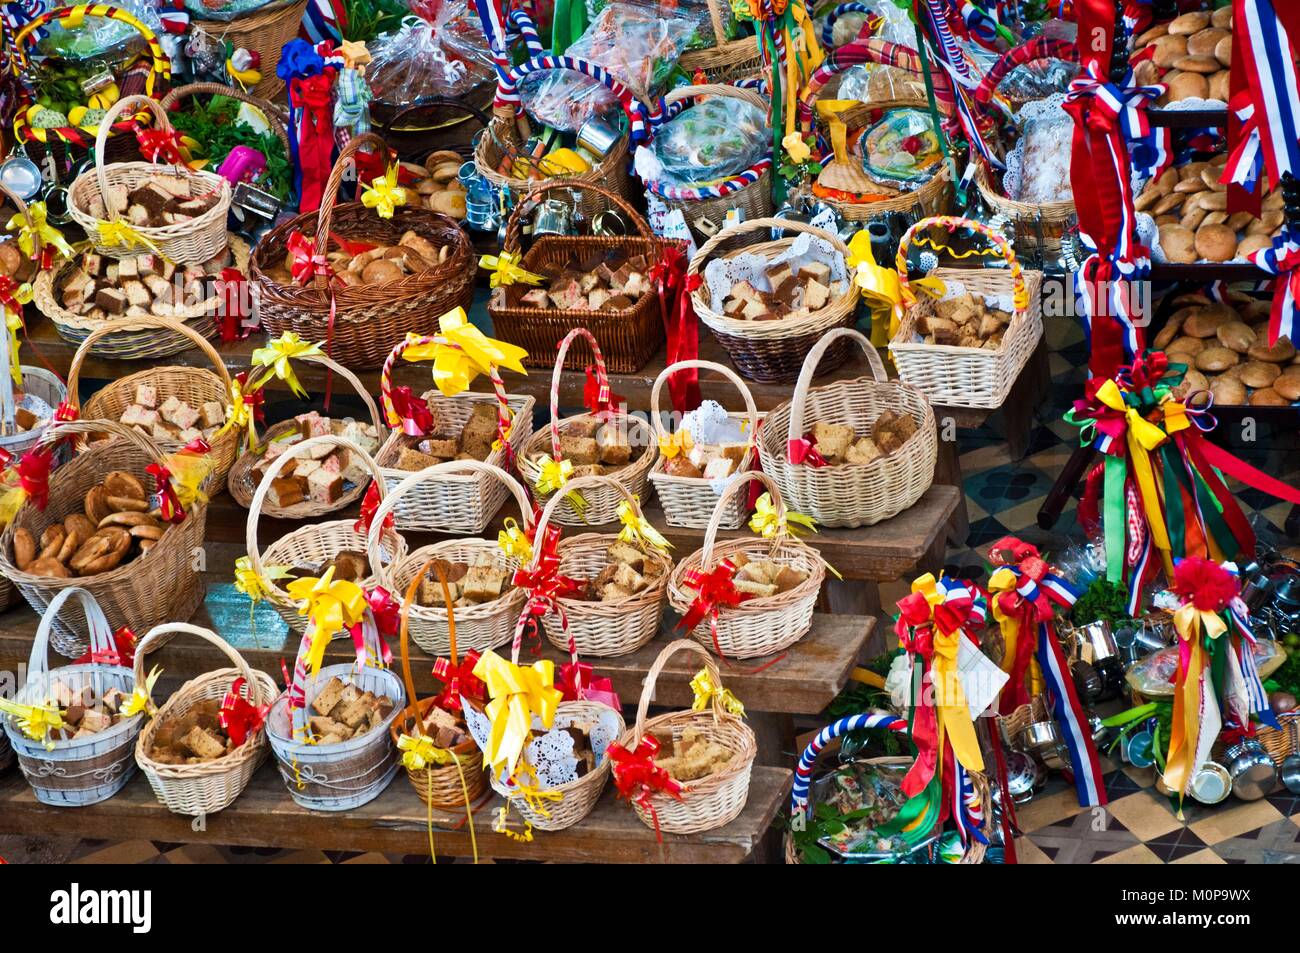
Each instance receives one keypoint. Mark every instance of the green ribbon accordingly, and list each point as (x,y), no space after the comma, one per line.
(913,809)
(1113,521)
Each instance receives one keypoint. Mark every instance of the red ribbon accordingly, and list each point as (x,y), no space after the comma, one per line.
(122,652)
(413,410)
(306,262)
(637,777)
(254,399)
(7,288)
(804,450)
(715,590)
(596,395)
(311,96)
(160,143)
(681,326)
(545,586)
(239,717)
(369,507)
(458,680)
(34,474)
(577,684)
(387,616)
(231,287)
(169,504)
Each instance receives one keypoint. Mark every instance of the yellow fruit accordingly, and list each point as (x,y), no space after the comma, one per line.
(76,114)
(106,97)
(566,160)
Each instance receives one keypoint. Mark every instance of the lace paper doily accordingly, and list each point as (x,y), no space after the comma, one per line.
(722,274)
(709,423)
(551,755)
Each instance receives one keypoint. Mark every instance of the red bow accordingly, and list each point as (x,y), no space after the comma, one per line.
(714,590)
(412,410)
(596,395)
(66,412)
(636,776)
(458,680)
(238,716)
(122,652)
(7,288)
(160,143)
(681,327)
(545,587)
(369,507)
(254,399)
(34,474)
(387,616)
(576,684)
(311,95)
(307,264)
(169,504)
(802,450)
(231,288)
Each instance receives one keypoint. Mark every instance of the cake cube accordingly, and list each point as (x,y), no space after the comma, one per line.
(127,269)
(442,447)
(312,424)
(324,487)
(413,460)
(354,469)
(815,295)
(756,590)
(93,721)
(137,295)
(719,468)
(788,578)
(585,426)
(629,578)
(146,395)
(111,300)
(146,264)
(862,452)
(286,491)
(613,592)
(190,434)
(176,411)
(536,298)
(627,555)
(301,467)
(137,416)
(579,450)
(203,744)
(94,265)
(832,440)
(484,583)
(212,414)
(612,446)
(328,697)
(818,271)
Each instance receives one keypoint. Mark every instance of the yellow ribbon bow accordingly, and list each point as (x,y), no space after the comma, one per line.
(795,148)
(514,542)
(35,721)
(518,694)
(1185,731)
(1142,437)
(278,354)
(14,322)
(27,234)
(141,700)
(239,416)
(638,531)
(255,587)
(506,270)
(188,471)
(12,495)
(671,445)
(951,709)
(383,194)
(462,352)
(124,233)
(1175,415)
(705,690)
(419,752)
(766,522)
(553,475)
(331,605)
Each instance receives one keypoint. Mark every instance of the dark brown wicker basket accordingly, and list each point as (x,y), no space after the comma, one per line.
(435,124)
(628,338)
(369,319)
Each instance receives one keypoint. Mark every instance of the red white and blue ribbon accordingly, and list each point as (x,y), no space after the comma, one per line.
(493,21)
(1068,714)
(804,769)
(521,24)
(721,189)
(1282,259)
(966,811)
(981,25)
(1256,696)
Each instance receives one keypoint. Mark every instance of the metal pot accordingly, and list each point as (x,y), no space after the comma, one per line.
(554,217)
(1253,772)
(1211,783)
(1289,772)
(1023,775)
(1098,635)
(1040,734)
(598,136)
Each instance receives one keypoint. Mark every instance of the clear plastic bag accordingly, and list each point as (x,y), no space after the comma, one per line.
(901,148)
(712,140)
(697,11)
(1038,80)
(1045,160)
(101,39)
(437,52)
(226,10)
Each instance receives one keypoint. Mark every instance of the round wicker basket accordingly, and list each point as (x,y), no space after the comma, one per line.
(267,31)
(727,60)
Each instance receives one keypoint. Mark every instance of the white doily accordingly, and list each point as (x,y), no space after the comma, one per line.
(955,288)
(1045,108)
(709,423)
(722,274)
(1193,102)
(551,755)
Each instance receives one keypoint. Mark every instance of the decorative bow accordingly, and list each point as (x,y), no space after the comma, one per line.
(458,679)
(419,752)
(12,298)
(141,700)
(408,411)
(637,777)
(169,504)
(369,507)
(123,233)
(383,194)
(545,587)
(1110,107)
(187,469)
(39,230)
(681,326)
(804,450)
(35,721)
(245,409)
(514,542)
(256,587)
(637,530)
(795,148)
(330,605)
(518,695)
(33,473)
(676,444)
(158,144)
(461,352)
(387,615)
(771,523)
(122,652)
(597,396)
(240,717)
(552,476)
(706,690)
(277,357)
(714,590)
(506,270)
(306,263)
(577,684)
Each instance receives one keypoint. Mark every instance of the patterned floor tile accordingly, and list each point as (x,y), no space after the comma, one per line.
(1143,815)
(1205,856)
(1137,854)
(1235,819)
(124,852)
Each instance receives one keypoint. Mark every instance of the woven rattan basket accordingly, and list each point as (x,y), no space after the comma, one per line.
(1280,745)
(478,627)
(727,60)
(691,501)
(772,352)
(265,31)
(1039,227)
(205,788)
(360,324)
(432,124)
(631,337)
(192,241)
(755,627)
(449,787)
(313,543)
(89,769)
(602,504)
(194,385)
(161,583)
(851,494)
(707,803)
(969,376)
(274,114)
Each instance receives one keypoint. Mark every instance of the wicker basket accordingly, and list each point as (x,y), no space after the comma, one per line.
(691,501)
(749,191)
(459,503)
(275,115)
(850,495)
(600,629)
(198,789)
(192,241)
(771,352)
(478,628)
(140,343)
(710,802)
(1280,745)
(631,337)
(451,787)
(366,321)
(968,376)
(452,123)
(85,770)
(756,627)
(727,60)
(266,31)
(1038,228)
(602,505)
(194,385)
(314,542)
(243,481)
(161,583)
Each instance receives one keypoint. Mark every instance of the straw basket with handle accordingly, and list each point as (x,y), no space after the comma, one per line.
(196,386)
(601,629)
(691,501)
(630,336)
(750,190)
(315,542)
(706,803)
(265,31)
(457,785)
(209,786)
(243,480)
(726,60)
(90,767)
(361,323)
(454,503)
(274,114)
(849,494)
(432,124)
(602,505)
(771,352)
(161,583)
(759,626)
(479,627)
(1280,745)
(968,376)
(192,241)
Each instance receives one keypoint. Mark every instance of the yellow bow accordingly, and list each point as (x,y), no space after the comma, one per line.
(766,522)
(535,797)
(141,700)
(383,194)
(276,356)
(638,531)
(462,352)
(35,721)
(255,587)
(514,542)
(518,694)
(419,752)
(188,471)
(239,416)
(1146,433)
(1143,437)
(506,270)
(953,713)
(1175,416)
(124,233)
(1004,580)
(795,148)
(12,495)
(330,605)
(705,690)
(14,322)
(681,442)
(48,234)
(551,478)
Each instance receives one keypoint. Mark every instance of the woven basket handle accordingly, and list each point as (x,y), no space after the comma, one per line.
(577,485)
(325,217)
(735,485)
(101,634)
(806,373)
(273,471)
(272,112)
(62,428)
(602,379)
(155,635)
(515,225)
(836,729)
(137,324)
(759,225)
(405,638)
(652,679)
(871,50)
(1039,48)
(73,15)
(828,26)
(450,468)
(505,414)
(657,419)
(687,95)
(325,361)
(101,140)
(434,102)
(21,208)
(952,223)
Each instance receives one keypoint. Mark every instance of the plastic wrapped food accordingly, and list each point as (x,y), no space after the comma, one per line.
(711,140)
(901,147)
(225,10)
(1153,676)
(697,11)
(1038,80)
(437,52)
(865,796)
(108,42)
(1045,161)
